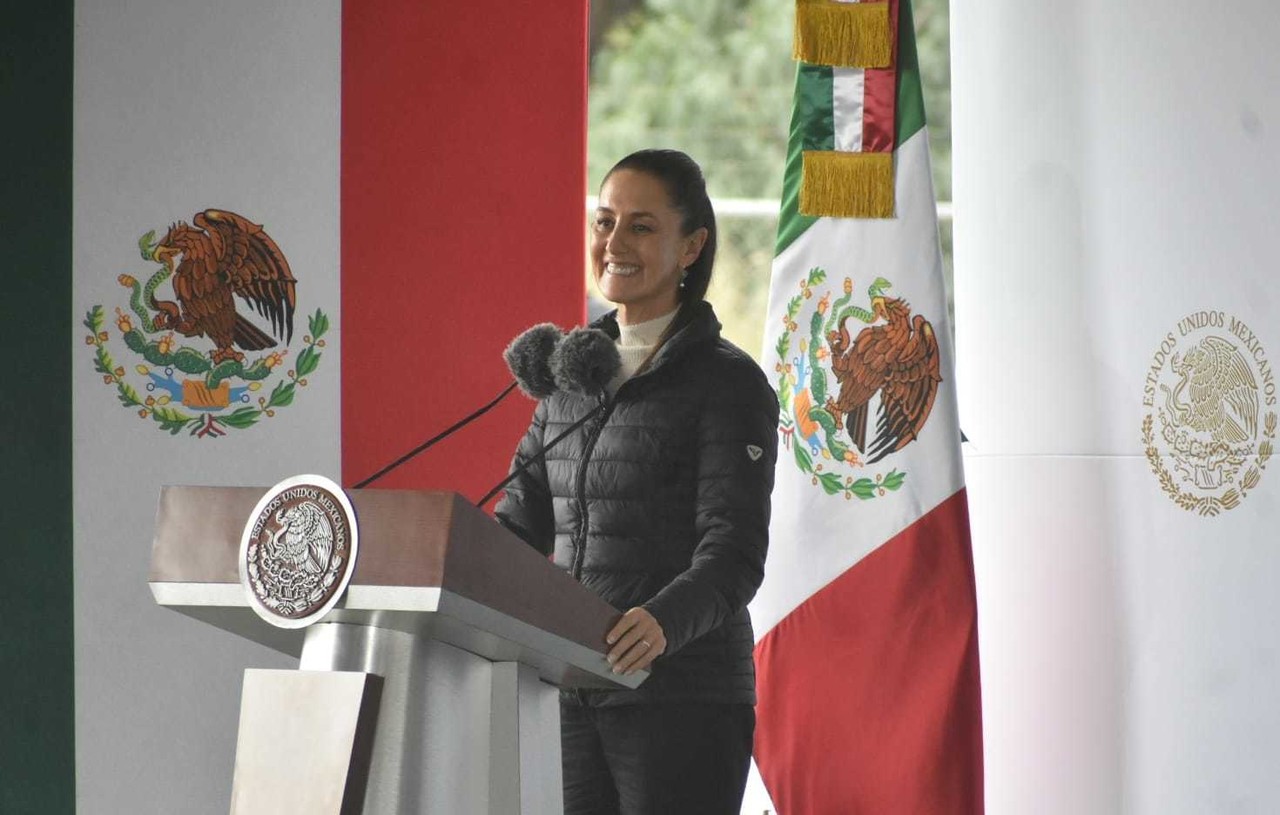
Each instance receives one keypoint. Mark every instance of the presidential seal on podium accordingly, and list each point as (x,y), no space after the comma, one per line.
(298,551)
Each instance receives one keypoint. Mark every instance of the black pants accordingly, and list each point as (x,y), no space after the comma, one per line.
(654,759)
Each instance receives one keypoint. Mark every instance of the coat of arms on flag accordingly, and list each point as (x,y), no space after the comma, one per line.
(839,377)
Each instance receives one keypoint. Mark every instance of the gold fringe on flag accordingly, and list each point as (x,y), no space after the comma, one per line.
(851,35)
(840,184)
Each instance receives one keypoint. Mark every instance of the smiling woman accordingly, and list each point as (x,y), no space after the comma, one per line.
(715,79)
(640,249)
(661,507)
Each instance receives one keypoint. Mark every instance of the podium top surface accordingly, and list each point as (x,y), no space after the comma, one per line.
(429,561)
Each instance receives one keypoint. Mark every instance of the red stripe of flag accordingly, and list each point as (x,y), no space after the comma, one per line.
(880,99)
(869,693)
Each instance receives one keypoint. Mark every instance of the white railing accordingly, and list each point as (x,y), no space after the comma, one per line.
(762,207)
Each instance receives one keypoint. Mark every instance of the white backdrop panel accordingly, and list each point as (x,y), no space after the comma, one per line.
(1114,172)
(1128,659)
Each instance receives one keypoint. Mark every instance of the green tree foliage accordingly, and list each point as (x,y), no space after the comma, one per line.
(714,78)
(933,42)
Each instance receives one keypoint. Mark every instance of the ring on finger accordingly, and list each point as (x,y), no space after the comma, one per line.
(646,644)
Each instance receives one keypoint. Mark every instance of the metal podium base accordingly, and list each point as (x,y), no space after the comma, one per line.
(304,742)
(455,732)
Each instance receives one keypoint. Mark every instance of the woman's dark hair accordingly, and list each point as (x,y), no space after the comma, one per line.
(687,189)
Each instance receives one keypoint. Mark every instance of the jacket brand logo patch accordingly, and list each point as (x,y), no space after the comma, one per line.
(755,452)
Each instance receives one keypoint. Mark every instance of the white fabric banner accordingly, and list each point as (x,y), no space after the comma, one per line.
(1115,177)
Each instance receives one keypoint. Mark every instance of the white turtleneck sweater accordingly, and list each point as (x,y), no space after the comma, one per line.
(635,343)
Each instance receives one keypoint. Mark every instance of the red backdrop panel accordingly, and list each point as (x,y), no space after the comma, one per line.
(463,176)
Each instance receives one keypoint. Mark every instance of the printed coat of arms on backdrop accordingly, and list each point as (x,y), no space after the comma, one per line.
(196,362)
(1210,425)
(856,384)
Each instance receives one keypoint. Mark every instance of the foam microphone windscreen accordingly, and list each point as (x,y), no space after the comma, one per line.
(528,357)
(585,361)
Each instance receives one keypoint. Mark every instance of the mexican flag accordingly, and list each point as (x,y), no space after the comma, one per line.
(363,229)
(867,657)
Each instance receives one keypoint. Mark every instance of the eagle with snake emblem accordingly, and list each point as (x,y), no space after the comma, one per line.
(897,359)
(1222,391)
(1213,429)
(304,541)
(220,257)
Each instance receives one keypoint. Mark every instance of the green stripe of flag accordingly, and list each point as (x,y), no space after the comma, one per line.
(37,648)
(910,96)
(812,128)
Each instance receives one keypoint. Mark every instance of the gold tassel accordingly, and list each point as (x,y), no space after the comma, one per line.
(851,35)
(840,184)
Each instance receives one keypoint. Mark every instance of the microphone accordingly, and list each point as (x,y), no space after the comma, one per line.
(528,358)
(584,362)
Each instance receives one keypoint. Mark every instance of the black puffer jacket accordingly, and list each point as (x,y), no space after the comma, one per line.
(663,501)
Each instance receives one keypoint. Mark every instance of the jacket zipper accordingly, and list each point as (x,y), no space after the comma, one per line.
(580,549)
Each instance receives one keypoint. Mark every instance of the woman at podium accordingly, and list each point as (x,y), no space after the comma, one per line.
(660,504)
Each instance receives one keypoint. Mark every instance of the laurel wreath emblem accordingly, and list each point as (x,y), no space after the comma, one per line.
(288,591)
(1210,505)
(1210,427)
(183,388)
(802,390)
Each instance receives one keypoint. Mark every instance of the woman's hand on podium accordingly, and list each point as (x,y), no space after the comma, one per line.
(637,640)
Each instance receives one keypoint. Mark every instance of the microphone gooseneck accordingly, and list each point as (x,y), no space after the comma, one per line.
(542,359)
(584,362)
(528,358)
(540,455)
(437,437)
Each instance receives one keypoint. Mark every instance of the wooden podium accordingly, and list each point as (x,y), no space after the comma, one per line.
(431,686)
